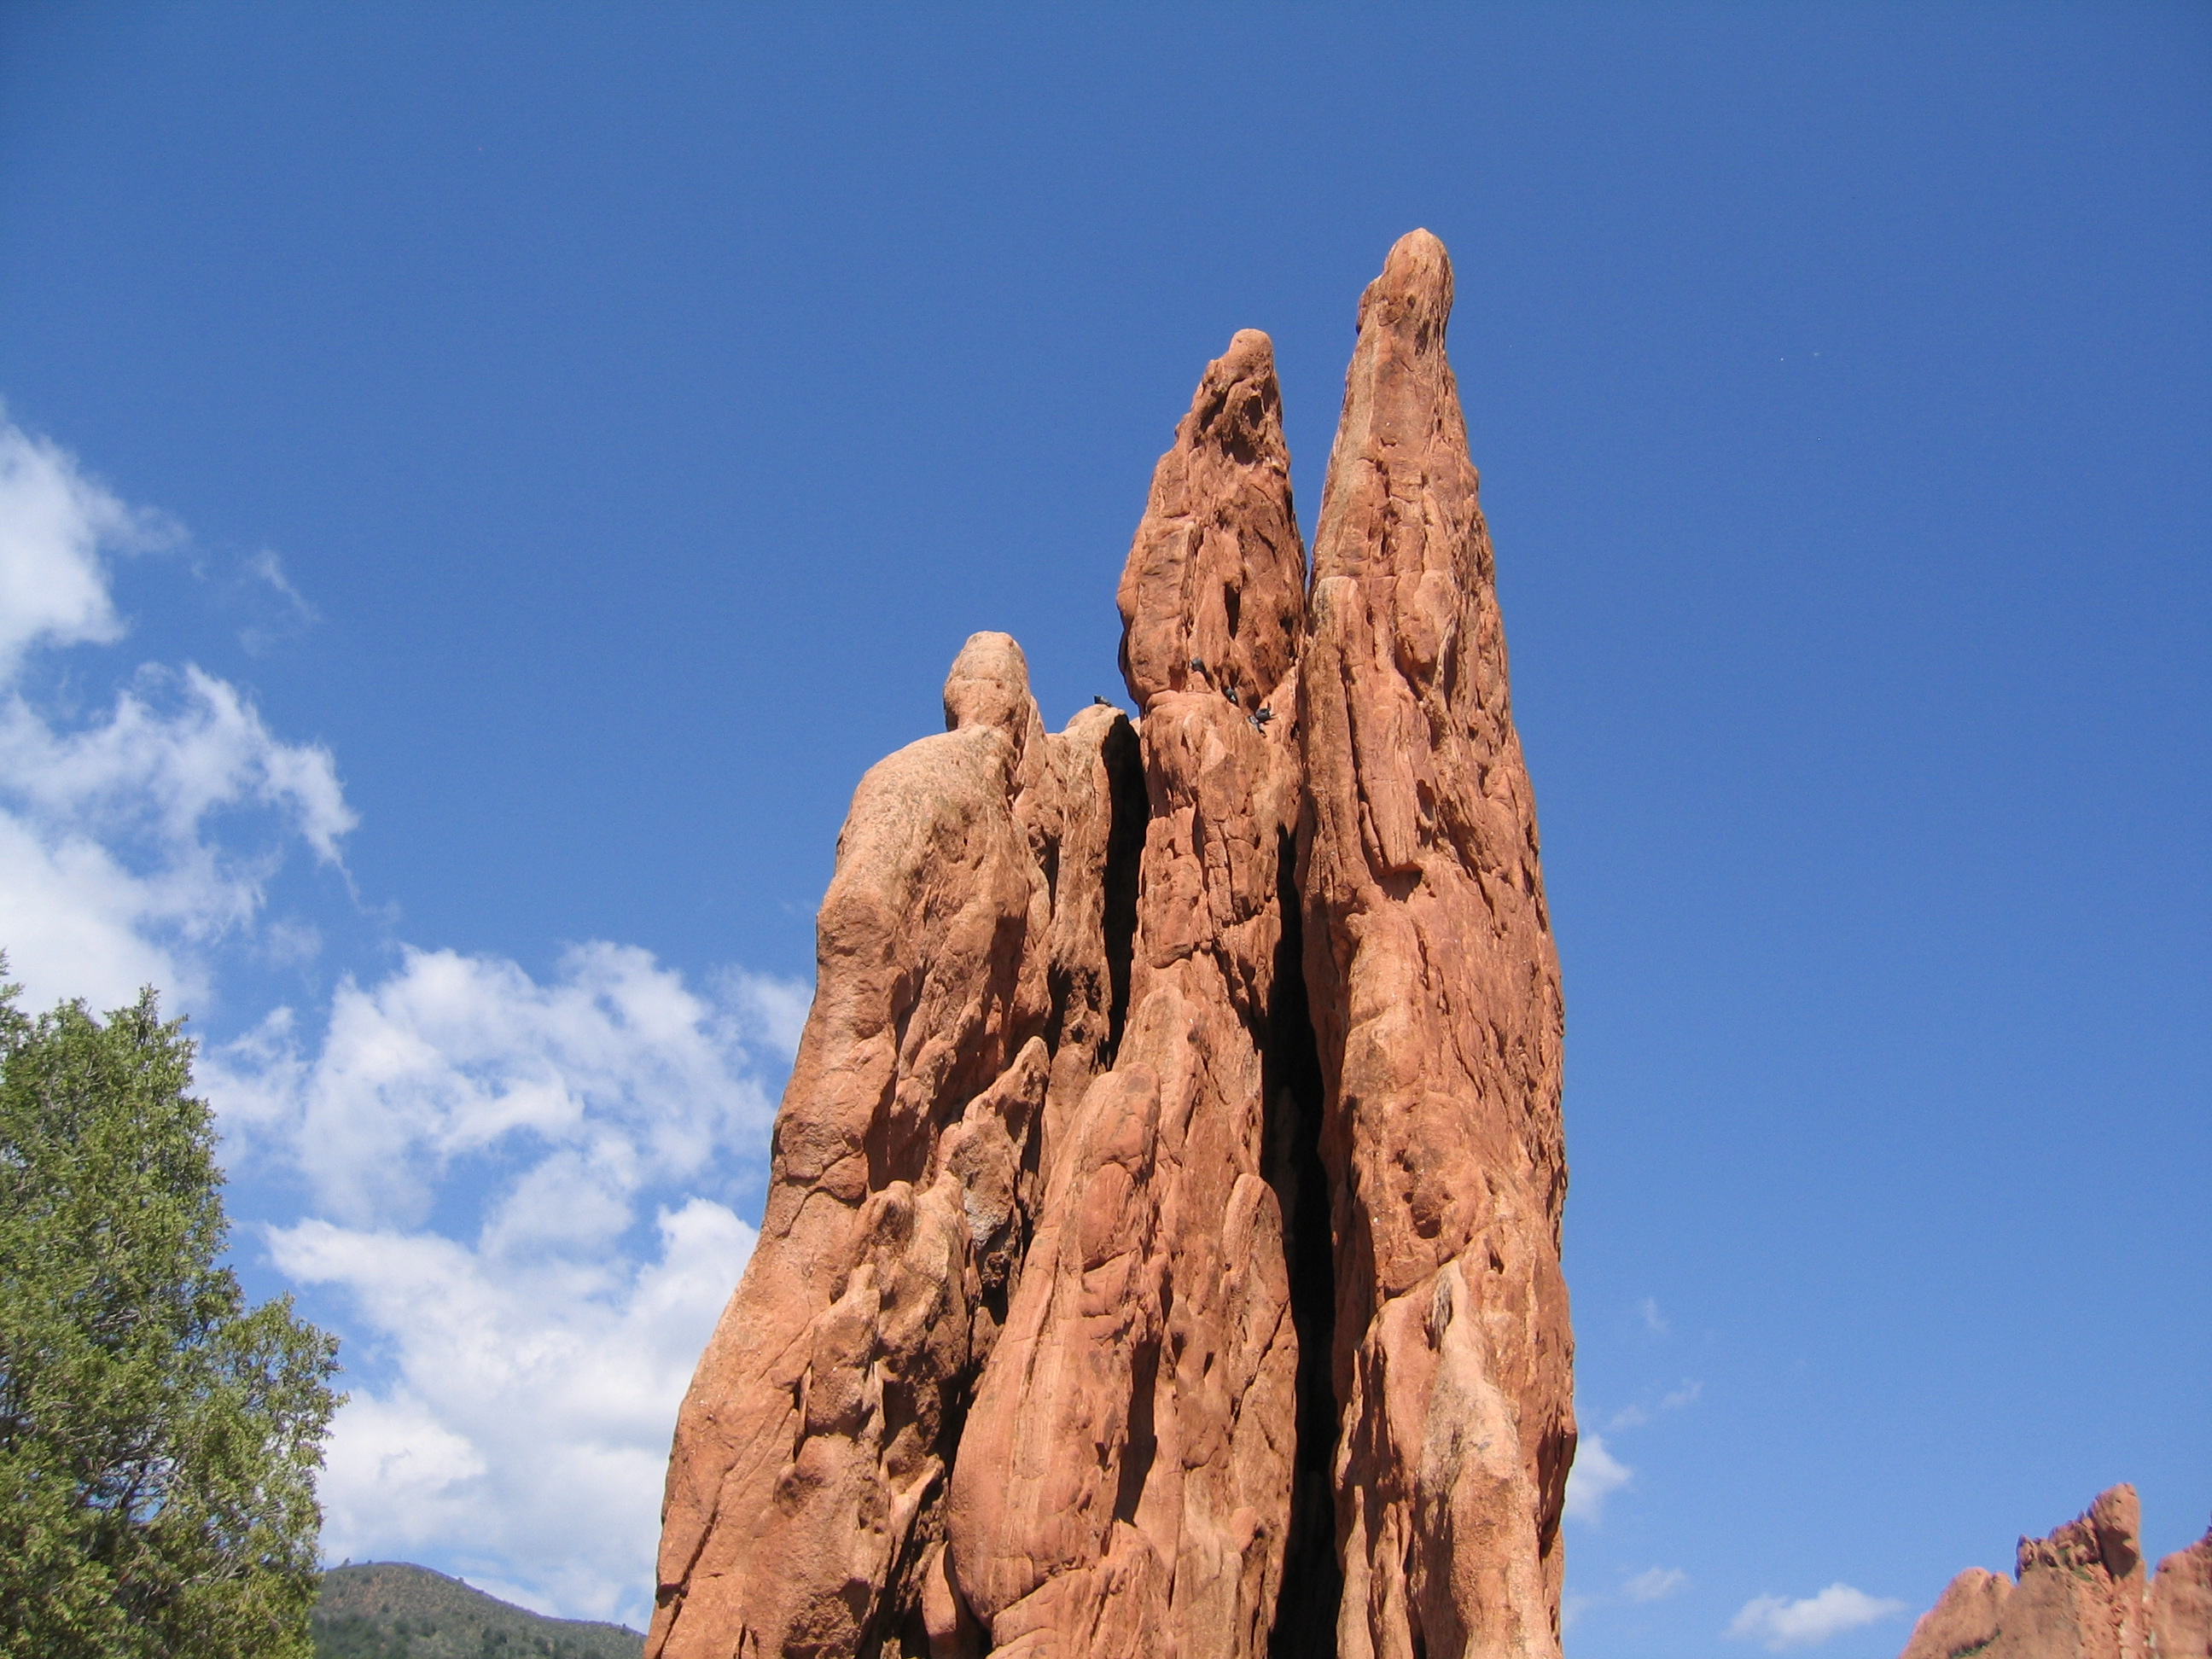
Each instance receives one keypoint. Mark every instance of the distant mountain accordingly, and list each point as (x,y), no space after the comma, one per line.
(391,1610)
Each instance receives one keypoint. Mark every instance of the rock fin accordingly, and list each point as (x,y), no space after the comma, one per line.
(1435,985)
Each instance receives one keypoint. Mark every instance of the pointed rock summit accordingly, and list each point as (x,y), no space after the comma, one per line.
(1126,1473)
(1161,1251)
(2082,1593)
(1435,985)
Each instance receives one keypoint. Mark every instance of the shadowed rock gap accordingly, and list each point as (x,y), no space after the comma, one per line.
(1143,1443)
(1313,1581)
(1125,847)
(899,1632)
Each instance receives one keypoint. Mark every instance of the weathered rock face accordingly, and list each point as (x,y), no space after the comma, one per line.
(964,986)
(1436,993)
(1126,1473)
(1965,1618)
(2181,1603)
(2082,1594)
(1162,1250)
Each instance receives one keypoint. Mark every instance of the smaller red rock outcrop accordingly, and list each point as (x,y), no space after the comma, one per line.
(2082,1594)
(1965,1618)
(2181,1603)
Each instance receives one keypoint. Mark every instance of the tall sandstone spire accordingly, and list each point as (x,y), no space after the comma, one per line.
(1435,986)
(1162,1248)
(1126,1473)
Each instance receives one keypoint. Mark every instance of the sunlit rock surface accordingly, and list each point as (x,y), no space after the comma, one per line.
(1162,1252)
(2082,1593)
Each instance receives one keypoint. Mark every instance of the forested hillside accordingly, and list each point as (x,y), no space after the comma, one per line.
(391,1610)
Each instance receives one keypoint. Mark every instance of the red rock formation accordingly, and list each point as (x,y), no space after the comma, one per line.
(1126,1473)
(963,985)
(1162,1249)
(2181,1603)
(1965,1618)
(2082,1594)
(1436,994)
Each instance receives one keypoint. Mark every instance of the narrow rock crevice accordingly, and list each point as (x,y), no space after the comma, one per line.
(897,1630)
(1125,852)
(1142,1443)
(1313,1580)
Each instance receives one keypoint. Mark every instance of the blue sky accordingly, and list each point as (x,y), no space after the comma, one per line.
(481,484)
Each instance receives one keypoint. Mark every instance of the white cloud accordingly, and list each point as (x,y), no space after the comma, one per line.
(1778,1623)
(523,1436)
(1655,1583)
(113,872)
(613,1077)
(1637,1415)
(53,522)
(513,1395)
(775,1009)
(1596,1475)
(177,748)
(1654,1322)
(514,1369)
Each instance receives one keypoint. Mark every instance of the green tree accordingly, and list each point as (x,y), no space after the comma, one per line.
(159,1440)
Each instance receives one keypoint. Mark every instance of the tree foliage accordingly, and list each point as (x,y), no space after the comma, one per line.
(159,1440)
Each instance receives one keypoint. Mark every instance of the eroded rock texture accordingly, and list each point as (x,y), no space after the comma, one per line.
(2082,1593)
(1436,993)
(2181,1603)
(964,988)
(1127,1473)
(1161,1250)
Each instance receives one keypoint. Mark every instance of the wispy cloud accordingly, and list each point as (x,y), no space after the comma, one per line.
(522,1367)
(1654,1322)
(54,521)
(282,612)
(1637,1415)
(1596,1475)
(1778,1623)
(1655,1583)
(774,1010)
(113,870)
